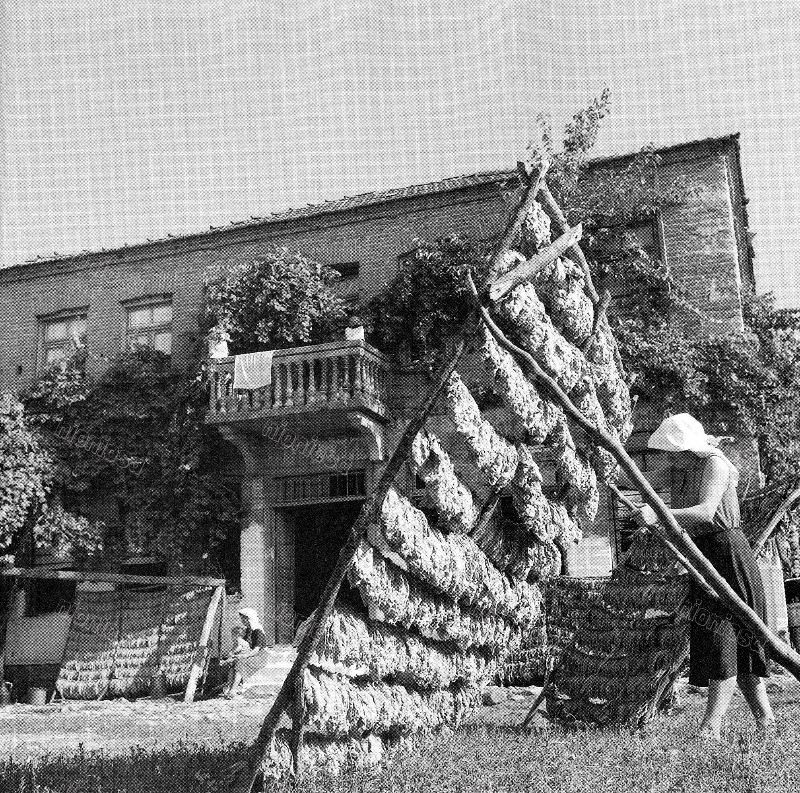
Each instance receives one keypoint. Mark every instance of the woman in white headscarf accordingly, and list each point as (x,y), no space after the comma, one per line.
(703,482)
(244,664)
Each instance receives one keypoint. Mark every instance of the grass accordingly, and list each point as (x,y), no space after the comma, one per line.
(665,758)
(495,760)
(178,768)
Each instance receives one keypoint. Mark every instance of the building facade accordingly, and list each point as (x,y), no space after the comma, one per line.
(308,449)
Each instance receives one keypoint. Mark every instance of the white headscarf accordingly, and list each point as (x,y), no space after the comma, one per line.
(684,433)
(252,618)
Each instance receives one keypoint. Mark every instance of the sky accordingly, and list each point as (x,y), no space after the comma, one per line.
(123,121)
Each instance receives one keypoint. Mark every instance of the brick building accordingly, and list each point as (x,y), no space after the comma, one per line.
(307,452)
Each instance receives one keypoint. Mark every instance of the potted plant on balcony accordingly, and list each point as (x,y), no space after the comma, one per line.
(280,299)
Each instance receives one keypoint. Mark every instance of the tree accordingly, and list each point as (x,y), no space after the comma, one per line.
(31,513)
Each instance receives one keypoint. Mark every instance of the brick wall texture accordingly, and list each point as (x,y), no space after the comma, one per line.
(704,242)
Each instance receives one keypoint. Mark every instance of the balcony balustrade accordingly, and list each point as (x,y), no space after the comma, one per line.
(336,379)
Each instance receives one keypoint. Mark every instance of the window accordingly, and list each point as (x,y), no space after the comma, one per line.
(61,336)
(347,270)
(150,325)
(310,488)
(648,235)
(48,596)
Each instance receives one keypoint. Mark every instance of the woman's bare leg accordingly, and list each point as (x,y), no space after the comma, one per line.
(720,693)
(755,692)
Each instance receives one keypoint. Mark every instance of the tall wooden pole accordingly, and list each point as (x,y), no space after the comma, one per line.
(198,666)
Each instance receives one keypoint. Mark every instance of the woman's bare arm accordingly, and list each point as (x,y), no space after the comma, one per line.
(659,478)
(712,487)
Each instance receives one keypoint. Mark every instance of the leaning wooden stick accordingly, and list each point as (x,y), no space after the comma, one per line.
(290,690)
(776,519)
(703,571)
(526,270)
(367,515)
(201,655)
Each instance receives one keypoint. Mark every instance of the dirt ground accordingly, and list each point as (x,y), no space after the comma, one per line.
(117,726)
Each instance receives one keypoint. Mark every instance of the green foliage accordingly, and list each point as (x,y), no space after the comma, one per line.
(742,383)
(428,300)
(24,472)
(281,299)
(137,440)
(61,385)
(28,504)
(580,135)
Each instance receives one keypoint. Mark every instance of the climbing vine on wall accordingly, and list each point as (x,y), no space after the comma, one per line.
(31,513)
(135,441)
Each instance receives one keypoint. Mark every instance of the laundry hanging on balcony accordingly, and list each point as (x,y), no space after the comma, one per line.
(252,370)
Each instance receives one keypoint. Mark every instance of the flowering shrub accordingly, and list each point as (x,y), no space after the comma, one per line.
(160,488)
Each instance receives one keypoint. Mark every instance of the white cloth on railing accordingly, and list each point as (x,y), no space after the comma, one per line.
(252,370)
(354,334)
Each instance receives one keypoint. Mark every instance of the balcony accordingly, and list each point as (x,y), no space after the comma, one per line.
(320,390)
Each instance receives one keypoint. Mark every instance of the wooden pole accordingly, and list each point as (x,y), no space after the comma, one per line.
(110,578)
(526,270)
(247,777)
(576,254)
(9,598)
(776,519)
(202,650)
(703,570)
(369,513)
(573,251)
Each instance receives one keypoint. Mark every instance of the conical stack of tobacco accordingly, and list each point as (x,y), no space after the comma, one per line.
(449,594)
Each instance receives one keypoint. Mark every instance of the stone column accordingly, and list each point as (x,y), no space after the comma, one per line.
(258,531)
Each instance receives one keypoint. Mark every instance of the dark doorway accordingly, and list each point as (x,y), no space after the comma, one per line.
(320,531)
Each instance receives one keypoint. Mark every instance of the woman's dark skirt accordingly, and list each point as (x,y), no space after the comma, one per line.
(719,647)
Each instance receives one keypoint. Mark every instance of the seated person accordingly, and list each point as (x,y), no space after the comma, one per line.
(239,645)
(253,642)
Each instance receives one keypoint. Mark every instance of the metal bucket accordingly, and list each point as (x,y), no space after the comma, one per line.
(771,571)
(793,610)
(37,696)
